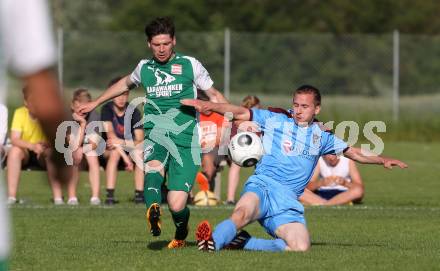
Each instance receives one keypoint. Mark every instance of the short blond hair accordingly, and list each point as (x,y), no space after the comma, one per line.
(250,101)
(81,95)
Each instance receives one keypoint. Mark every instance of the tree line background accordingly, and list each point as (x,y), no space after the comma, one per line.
(343,46)
(330,16)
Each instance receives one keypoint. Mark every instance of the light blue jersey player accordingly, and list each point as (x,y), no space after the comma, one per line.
(293,142)
(292,152)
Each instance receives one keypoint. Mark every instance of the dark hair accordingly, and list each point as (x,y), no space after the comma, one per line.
(25,91)
(114,81)
(308,89)
(160,25)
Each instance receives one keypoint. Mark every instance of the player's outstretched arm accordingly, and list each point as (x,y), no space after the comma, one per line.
(365,157)
(216,96)
(238,112)
(115,90)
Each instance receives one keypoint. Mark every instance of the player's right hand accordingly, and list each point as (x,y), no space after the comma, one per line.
(201,106)
(86,108)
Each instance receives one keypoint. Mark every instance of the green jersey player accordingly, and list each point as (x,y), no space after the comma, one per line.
(171,140)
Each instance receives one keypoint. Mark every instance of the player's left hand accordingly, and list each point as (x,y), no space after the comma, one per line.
(389,163)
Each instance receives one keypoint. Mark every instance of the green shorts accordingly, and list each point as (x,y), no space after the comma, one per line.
(180,164)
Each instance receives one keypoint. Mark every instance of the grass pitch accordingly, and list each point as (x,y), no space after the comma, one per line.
(396,228)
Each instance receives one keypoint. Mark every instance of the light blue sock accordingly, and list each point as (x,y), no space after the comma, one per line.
(224,233)
(265,244)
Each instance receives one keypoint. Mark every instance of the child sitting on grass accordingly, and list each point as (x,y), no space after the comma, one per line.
(87,145)
(30,149)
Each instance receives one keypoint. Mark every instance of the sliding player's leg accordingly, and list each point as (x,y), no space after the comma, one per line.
(295,235)
(246,211)
(285,222)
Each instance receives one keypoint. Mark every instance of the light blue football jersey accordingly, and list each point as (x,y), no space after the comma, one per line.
(291,151)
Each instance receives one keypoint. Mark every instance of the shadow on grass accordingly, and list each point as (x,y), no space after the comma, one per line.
(162,244)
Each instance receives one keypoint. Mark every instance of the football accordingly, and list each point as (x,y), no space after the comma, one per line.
(245,149)
(205,198)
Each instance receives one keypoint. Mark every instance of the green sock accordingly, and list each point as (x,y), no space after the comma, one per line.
(181,219)
(152,188)
(3,265)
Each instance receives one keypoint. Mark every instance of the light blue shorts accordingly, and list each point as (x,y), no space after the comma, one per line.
(278,205)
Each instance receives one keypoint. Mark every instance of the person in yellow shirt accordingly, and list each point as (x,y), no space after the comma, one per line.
(29,127)
(29,148)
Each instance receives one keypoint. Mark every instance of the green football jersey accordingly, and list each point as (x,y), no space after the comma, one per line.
(165,84)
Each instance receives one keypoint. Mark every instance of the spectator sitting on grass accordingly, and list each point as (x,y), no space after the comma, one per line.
(336,181)
(3,132)
(119,137)
(87,145)
(30,148)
